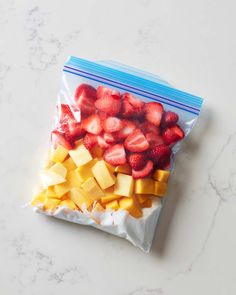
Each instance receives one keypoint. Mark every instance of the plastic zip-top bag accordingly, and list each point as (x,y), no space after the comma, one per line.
(116,132)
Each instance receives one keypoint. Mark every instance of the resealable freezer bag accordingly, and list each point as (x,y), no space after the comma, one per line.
(116,132)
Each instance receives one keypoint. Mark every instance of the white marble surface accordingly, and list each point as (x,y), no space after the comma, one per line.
(191,44)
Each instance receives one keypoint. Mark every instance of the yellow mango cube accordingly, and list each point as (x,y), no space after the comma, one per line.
(142,198)
(124,185)
(109,197)
(84,172)
(98,207)
(50,204)
(131,205)
(49,178)
(160,188)
(59,154)
(69,204)
(144,186)
(126,169)
(92,189)
(147,203)
(80,155)
(38,199)
(58,168)
(69,164)
(103,175)
(73,179)
(50,193)
(79,197)
(110,167)
(61,189)
(161,175)
(113,205)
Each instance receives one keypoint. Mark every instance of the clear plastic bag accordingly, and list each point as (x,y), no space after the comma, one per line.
(117,130)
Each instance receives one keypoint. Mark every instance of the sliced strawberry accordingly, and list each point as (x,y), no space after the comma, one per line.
(169,119)
(89,141)
(135,102)
(60,138)
(106,92)
(154,111)
(102,115)
(137,160)
(160,154)
(115,155)
(127,110)
(138,113)
(112,124)
(65,113)
(92,124)
(109,137)
(173,134)
(75,129)
(147,169)
(128,128)
(108,104)
(102,142)
(136,142)
(147,127)
(85,96)
(154,139)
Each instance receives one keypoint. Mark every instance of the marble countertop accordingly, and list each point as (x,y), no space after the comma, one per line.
(189,43)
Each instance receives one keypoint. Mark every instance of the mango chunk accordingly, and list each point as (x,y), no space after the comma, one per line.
(69,204)
(124,185)
(142,198)
(126,169)
(131,205)
(50,204)
(73,179)
(84,172)
(103,175)
(49,178)
(160,188)
(110,167)
(50,193)
(109,197)
(38,199)
(58,168)
(114,205)
(61,189)
(79,197)
(161,175)
(144,186)
(69,164)
(91,188)
(80,155)
(59,154)
(98,207)
(147,204)
(97,152)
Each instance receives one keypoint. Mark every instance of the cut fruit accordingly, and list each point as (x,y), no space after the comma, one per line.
(131,205)
(154,139)
(145,171)
(113,205)
(92,124)
(136,142)
(73,179)
(49,178)
(91,188)
(160,188)
(69,164)
(51,204)
(147,204)
(160,154)
(137,160)
(103,175)
(112,124)
(85,96)
(128,128)
(69,204)
(59,138)
(124,185)
(80,155)
(108,101)
(154,111)
(84,172)
(161,175)
(90,141)
(61,189)
(58,168)
(144,186)
(109,197)
(102,142)
(169,119)
(126,169)
(59,154)
(115,155)
(80,198)
(98,207)
(173,134)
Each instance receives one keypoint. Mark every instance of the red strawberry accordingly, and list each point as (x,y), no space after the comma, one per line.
(136,142)
(154,139)
(102,142)
(102,115)
(112,124)
(137,161)
(115,155)
(128,128)
(109,137)
(147,169)
(75,129)
(106,92)
(154,111)
(58,137)
(135,102)
(64,113)
(85,96)
(160,154)
(172,134)
(89,141)
(92,124)
(169,119)
(108,104)
(127,111)
(147,127)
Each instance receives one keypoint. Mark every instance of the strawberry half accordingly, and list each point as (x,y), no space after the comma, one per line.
(106,92)
(60,138)
(173,134)
(128,128)
(137,161)
(154,139)
(129,111)
(136,142)
(85,96)
(154,111)
(147,169)
(92,124)
(64,113)
(160,154)
(89,141)
(115,155)
(169,119)
(75,129)
(108,104)
(109,137)
(112,124)
(102,142)
(147,127)
(135,102)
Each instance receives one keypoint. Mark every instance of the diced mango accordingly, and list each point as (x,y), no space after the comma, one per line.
(144,186)
(69,204)
(92,189)
(109,190)
(58,168)
(79,197)
(126,169)
(78,142)
(49,178)
(38,199)
(84,172)
(50,193)
(98,207)
(109,197)
(161,175)
(131,205)
(124,185)
(59,154)
(147,204)
(69,164)
(97,152)
(61,189)
(80,155)
(110,167)
(160,188)
(73,179)
(50,204)
(114,205)
(103,175)
(142,198)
